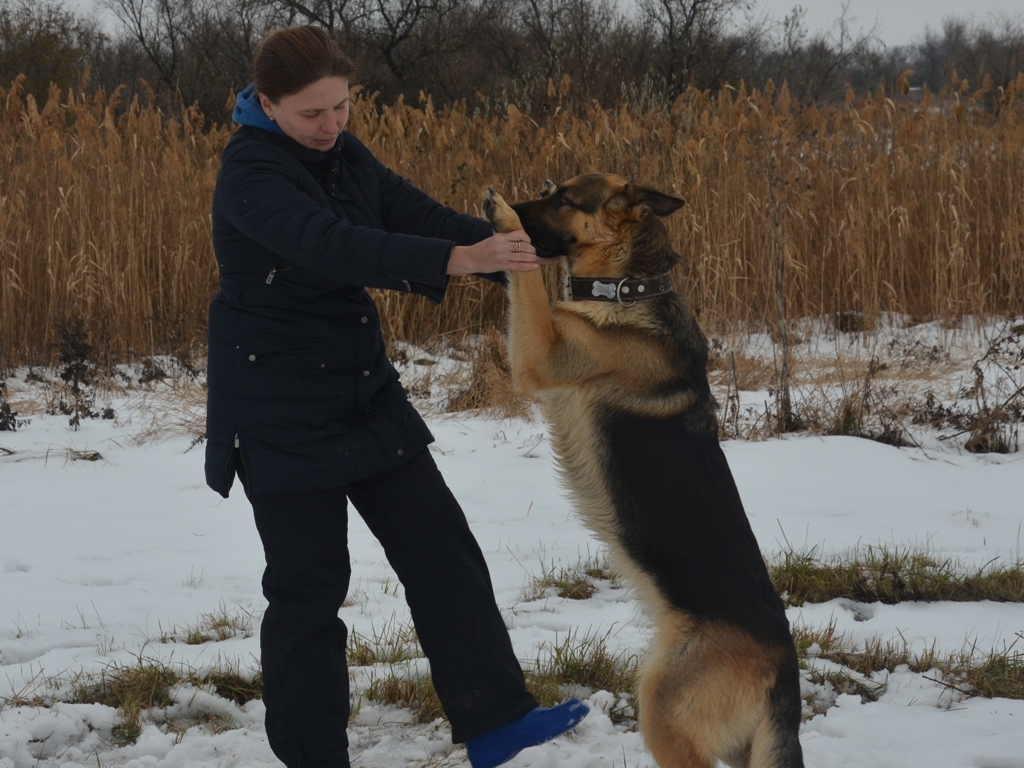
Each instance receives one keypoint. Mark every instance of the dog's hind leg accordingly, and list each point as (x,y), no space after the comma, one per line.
(667,732)
(776,742)
(709,692)
(673,750)
(677,726)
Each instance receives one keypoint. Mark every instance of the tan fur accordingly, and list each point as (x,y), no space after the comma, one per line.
(704,687)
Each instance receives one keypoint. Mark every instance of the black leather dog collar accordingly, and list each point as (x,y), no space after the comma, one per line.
(623,290)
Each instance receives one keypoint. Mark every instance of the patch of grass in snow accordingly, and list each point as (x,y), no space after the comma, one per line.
(998,675)
(875,655)
(411,690)
(131,690)
(394,643)
(574,582)
(995,674)
(584,662)
(232,682)
(562,670)
(149,684)
(214,626)
(31,694)
(892,575)
(836,682)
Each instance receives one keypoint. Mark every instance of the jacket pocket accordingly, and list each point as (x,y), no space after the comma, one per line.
(282,368)
(287,352)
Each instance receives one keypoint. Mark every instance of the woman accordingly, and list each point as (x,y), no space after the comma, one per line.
(307,410)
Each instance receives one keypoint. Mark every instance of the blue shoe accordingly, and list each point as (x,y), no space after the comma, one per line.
(535,727)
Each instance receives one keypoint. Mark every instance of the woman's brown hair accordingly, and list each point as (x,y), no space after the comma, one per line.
(290,59)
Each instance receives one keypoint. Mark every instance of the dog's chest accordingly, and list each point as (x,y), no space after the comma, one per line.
(581,452)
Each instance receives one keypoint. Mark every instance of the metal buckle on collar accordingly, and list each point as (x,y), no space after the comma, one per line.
(618,293)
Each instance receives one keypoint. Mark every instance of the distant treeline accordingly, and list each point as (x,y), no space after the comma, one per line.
(490,53)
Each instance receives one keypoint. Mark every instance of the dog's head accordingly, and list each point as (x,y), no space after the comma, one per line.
(604,224)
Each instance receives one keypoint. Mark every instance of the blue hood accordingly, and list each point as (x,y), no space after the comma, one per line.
(248,111)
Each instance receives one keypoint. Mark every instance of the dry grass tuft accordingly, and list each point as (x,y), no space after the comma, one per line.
(410,690)
(563,668)
(895,385)
(993,674)
(149,684)
(395,642)
(745,373)
(175,405)
(585,662)
(576,582)
(891,575)
(214,626)
(488,386)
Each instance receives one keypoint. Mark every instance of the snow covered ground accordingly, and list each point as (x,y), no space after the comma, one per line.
(111,560)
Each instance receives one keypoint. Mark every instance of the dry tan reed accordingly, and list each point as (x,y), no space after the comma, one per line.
(104,220)
(876,205)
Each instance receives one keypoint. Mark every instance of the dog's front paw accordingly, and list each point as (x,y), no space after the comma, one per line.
(499,214)
(489,205)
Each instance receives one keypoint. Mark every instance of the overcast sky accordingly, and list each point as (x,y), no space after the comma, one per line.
(898,21)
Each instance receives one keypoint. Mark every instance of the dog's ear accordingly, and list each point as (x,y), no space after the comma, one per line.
(647,198)
(549,187)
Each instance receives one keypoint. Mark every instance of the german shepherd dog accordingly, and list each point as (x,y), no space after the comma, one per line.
(620,366)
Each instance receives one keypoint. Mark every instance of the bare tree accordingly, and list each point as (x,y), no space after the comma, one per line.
(45,42)
(504,50)
(973,52)
(157,27)
(697,41)
(819,66)
(338,17)
(829,56)
(393,24)
(200,50)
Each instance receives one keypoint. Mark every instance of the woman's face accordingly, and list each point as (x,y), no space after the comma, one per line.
(315,115)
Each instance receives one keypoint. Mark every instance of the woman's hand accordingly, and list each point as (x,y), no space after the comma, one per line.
(499,253)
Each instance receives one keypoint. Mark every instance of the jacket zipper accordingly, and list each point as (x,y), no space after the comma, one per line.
(228,462)
(241,458)
(274,271)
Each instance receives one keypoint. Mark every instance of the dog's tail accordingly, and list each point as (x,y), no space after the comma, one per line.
(776,742)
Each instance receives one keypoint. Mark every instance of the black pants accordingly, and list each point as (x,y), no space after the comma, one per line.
(427,540)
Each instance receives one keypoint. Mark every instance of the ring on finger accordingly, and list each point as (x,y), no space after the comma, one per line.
(517,246)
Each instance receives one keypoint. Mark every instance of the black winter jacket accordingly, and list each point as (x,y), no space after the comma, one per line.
(298,379)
